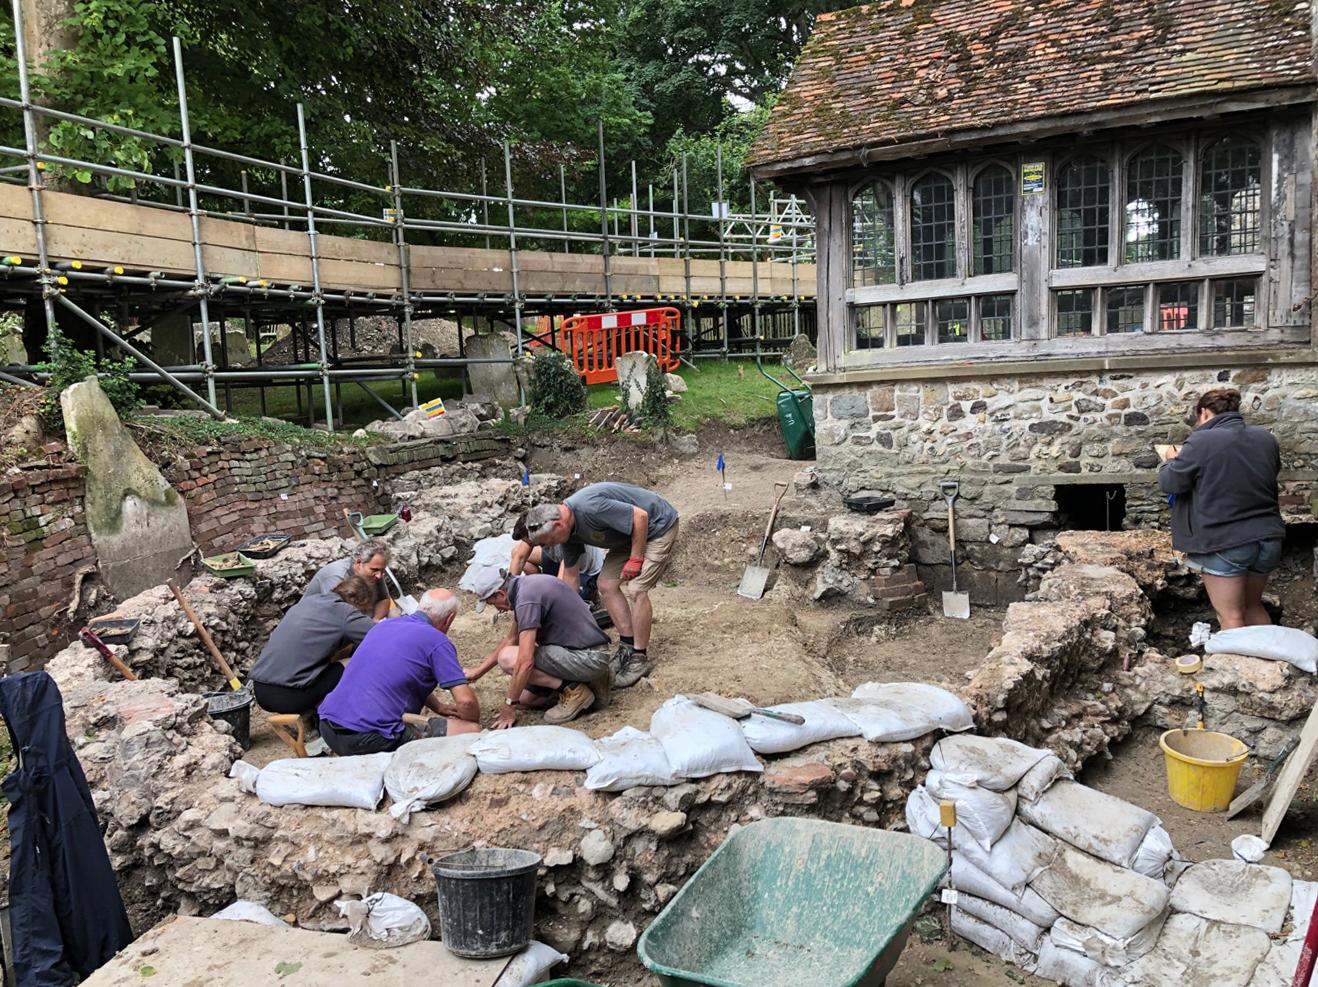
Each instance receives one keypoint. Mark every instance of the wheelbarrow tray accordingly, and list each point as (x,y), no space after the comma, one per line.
(795,901)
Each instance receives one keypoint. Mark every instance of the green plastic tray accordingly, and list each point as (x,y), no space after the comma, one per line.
(786,902)
(246,569)
(378,524)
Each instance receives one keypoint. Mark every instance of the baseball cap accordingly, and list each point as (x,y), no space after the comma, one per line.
(485,582)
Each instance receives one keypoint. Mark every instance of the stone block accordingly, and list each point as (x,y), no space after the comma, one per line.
(492,381)
(849,406)
(796,779)
(882,399)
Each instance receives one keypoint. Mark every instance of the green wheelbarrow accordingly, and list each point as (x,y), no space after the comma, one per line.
(796,413)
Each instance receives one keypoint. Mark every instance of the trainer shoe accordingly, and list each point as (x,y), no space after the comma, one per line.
(619,660)
(574,700)
(635,668)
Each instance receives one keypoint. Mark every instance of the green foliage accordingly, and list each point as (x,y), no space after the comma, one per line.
(557,390)
(67,365)
(205,431)
(655,410)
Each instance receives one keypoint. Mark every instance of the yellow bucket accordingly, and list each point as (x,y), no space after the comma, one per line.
(1202,768)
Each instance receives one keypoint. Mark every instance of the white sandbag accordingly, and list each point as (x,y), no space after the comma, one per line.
(1103,825)
(906,710)
(1194,951)
(383,920)
(1041,777)
(251,911)
(1101,947)
(1067,966)
(1249,848)
(1303,896)
(1234,891)
(991,940)
(995,763)
(530,966)
(1093,892)
(629,758)
(698,742)
(427,772)
(965,876)
(1021,931)
(1154,854)
(1019,854)
(1278,967)
(246,775)
(1288,644)
(355,782)
(984,814)
(823,721)
(536,748)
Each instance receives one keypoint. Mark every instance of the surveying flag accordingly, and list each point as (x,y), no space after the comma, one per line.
(719,465)
(526,477)
(433,409)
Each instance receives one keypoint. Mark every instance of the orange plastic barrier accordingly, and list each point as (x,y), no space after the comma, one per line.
(593,342)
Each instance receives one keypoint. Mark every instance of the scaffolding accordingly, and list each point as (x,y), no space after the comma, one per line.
(725,313)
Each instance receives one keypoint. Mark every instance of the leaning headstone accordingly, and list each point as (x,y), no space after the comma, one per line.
(633,372)
(172,339)
(492,381)
(800,353)
(138,523)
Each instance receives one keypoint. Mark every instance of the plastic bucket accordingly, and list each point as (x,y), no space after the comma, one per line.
(235,709)
(1202,768)
(486,900)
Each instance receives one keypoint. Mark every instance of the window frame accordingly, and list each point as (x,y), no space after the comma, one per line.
(955,177)
(973,173)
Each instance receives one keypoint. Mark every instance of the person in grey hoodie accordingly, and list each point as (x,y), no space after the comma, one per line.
(1225,512)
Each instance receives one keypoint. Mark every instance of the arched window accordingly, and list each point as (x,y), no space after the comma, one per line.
(872,237)
(933,228)
(993,207)
(1153,205)
(1083,212)
(1230,192)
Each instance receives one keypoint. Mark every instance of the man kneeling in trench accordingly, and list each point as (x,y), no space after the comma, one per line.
(555,647)
(393,674)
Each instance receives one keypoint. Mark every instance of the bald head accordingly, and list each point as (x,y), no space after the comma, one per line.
(440,607)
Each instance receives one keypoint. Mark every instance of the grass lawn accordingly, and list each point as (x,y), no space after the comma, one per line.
(732,392)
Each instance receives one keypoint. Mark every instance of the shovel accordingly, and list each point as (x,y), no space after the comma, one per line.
(740,709)
(954,604)
(407,604)
(756,577)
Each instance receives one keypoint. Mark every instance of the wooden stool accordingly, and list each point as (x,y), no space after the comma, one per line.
(295,737)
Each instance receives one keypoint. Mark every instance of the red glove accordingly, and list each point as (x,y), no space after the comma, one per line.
(632,569)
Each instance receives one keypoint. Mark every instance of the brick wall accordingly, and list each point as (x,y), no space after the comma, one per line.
(235,489)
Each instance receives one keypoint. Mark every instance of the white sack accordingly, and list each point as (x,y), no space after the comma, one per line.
(1067,967)
(1249,848)
(1287,644)
(1234,891)
(355,782)
(698,742)
(427,772)
(384,920)
(991,940)
(906,710)
(1020,854)
(530,966)
(1193,951)
(995,763)
(1042,777)
(966,877)
(1021,931)
(1154,854)
(251,911)
(984,814)
(629,758)
(1103,825)
(1103,948)
(1093,892)
(823,721)
(1278,967)
(246,775)
(537,748)
(1303,896)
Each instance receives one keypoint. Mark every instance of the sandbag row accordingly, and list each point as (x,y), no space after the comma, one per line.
(1085,889)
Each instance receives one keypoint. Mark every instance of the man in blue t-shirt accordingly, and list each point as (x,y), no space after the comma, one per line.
(393,674)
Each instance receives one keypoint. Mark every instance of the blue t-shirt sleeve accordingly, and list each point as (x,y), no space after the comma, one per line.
(444,663)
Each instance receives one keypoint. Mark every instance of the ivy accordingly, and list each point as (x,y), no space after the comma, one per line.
(557,390)
(655,411)
(68,365)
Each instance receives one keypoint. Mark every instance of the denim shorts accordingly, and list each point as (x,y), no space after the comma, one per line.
(1257,558)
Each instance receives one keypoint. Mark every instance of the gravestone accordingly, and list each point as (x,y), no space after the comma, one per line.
(800,353)
(171,340)
(493,381)
(633,372)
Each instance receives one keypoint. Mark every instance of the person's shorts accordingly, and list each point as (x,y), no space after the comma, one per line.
(346,743)
(1257,558)
(570,664)
(658,551)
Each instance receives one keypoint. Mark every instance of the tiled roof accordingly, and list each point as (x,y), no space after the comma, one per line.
(898,71)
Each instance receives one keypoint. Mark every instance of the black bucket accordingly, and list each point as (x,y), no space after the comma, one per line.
(235,709)
(486,900)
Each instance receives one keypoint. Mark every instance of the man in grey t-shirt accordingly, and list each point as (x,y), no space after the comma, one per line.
(368,560)
(639,530)
(554,647)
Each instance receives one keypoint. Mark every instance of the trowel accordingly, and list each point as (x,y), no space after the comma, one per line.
(406,603)
(955,604)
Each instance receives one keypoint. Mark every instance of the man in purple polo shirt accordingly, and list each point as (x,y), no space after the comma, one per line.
(394,673)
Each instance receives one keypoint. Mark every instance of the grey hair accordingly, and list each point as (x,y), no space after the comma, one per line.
(436,604)
(369,549)
(540,519)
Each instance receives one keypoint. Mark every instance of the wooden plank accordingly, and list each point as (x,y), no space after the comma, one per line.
(223,233)
(15,202)
(66,209)
(358,275)
(104,248)
(1291,777)
(18,236)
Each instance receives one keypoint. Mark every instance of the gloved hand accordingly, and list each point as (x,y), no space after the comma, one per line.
(632,569)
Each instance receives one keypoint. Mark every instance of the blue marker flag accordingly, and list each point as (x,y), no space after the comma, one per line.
(719,465)
(526,477)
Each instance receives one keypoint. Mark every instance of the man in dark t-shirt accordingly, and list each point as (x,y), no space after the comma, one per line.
(555,647)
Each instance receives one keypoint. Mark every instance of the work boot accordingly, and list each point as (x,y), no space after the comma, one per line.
(574,700)
(619,660)
(602,687)
(635,667)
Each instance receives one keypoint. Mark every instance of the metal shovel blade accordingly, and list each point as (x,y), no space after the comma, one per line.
(956,605)
(407,604)
(753,582)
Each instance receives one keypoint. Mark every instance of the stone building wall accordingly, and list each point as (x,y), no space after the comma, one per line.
(1013,441)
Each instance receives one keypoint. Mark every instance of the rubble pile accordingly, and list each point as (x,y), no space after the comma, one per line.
(459,418)
(859,547)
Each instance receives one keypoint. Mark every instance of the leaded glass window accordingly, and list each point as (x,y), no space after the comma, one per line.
(993,206)
(1125,310)
(1083,213)
(1153,205)
(952,319)
(910,323)
(873,238)
(1178,306)
(995,318)
(871,326)
(933,228)
(1075,312)
(1233,303)
(1230,193)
